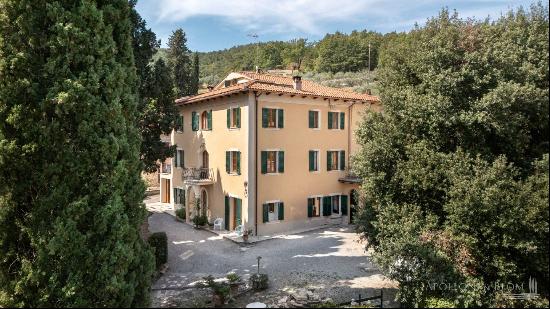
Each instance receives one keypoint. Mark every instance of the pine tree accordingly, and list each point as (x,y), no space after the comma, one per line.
(70,187)
(156,116)
(195,75)
(156,101)
(178,59)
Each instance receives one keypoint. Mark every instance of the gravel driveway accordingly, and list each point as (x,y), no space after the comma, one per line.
(332,261)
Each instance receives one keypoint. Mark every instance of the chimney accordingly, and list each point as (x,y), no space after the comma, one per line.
(297,82)
(257,69)
(210,87)
(369,92)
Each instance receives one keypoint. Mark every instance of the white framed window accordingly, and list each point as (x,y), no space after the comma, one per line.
(179,158)
(233,162)
(336,120)
(314,159)
(234,118)
(272,118)
(314,206)
(273,211)
(336,160)
(314,119)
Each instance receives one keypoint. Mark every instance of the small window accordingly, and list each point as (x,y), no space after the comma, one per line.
(314,120)
(313,160)
(234,118)
(335,204)
(233,162)
(334,120)
(273,211)
(179,158)
(314,204)
(204,120)
(179,123)
(272,161)
(332,160)
(179,196)
(272,118)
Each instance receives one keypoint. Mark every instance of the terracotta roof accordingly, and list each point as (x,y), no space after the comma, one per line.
(280,84)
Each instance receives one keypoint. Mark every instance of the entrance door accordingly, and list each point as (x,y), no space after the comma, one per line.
(227,210)
(353,205)
(165,197)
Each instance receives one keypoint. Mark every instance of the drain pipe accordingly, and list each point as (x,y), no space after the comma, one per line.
(256,96)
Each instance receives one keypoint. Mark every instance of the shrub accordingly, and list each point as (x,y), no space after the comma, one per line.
(159,241)
(259,281)
(180,213)
(233,278)
(199,220)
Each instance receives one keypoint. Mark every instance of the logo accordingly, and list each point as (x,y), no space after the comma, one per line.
(532,291)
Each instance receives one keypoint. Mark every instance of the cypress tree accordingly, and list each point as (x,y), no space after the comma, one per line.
(195,75)
(178,59)
(70,187)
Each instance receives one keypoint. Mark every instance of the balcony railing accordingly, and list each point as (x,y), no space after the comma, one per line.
(193,174)
(166,168)
(350,177)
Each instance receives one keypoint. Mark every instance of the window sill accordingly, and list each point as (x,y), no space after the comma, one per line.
(273,222)
(273,129)
(233,174)
(315,172)
(234,129)
(273,174)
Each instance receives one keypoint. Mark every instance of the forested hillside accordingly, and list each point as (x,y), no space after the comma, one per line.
(338,60)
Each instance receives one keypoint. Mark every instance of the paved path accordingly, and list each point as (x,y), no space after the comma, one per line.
(331,261)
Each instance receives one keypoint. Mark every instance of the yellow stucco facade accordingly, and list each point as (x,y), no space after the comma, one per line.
(270,202)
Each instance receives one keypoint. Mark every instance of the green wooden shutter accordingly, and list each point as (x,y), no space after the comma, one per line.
(281,167)
(227,161)
(194,121)
(227,210)
(311,160)
(238,211)
(344,204)
(238,153)
(264,117)
(264,162)
(265,213)
(209,120)
(327,206)
(329,160)
(342,160)
(281,211)
(183,158)
(311,119)
(238,117)
(281,120)
(330,120)
(342,120)
(229,118)
(310,203)
(175,196)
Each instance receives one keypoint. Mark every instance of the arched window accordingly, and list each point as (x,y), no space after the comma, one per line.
(205,159)
(204,203)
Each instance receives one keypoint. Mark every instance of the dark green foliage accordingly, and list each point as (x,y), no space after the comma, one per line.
(70,187)
(159,242)
(155,105)
(157,116)
(195,77)
(456,168)
(180,213)
(259,282)
(179,62)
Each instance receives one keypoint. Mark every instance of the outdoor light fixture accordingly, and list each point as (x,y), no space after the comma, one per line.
(246,188)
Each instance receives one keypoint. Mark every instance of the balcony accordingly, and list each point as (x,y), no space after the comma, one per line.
(350,177)
(166,168)
(197,176)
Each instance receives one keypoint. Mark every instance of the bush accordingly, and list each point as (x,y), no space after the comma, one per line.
(180,213)
(159,242)
(200,220)
(259,281)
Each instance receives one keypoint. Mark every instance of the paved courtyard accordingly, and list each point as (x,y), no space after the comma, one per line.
(332,261)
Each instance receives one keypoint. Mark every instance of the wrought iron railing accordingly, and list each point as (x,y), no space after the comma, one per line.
(197,174)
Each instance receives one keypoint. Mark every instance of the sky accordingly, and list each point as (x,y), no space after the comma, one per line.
(220,24)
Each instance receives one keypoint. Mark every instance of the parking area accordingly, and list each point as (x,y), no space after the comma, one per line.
(330,261)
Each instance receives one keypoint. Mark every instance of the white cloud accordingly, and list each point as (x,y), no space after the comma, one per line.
(267,15)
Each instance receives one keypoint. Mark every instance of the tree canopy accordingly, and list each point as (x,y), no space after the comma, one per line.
(455,169)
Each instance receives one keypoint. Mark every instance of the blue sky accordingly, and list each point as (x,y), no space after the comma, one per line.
(219,24)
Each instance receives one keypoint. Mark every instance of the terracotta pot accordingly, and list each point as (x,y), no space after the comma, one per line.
(218,300)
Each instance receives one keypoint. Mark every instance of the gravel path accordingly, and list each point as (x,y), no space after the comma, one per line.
(331,261)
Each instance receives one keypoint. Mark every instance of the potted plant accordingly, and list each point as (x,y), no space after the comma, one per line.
(246,233)
(180,214)
(220,290)
(234,282)
(259,281)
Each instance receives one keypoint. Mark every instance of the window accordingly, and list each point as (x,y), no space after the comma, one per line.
(179,158)
(313,160)
(179,196)
(273,162)
(336,160)
(314,207)
(336,120)
(273,211)
(179,124)
(194,121)
(335,202)
(234,118)
(233,162)
(272,118)
(314,120)
(204,120)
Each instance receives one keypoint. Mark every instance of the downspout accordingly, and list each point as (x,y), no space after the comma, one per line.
(256,96)
(350,119)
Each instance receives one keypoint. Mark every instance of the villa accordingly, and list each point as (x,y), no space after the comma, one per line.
(267,152)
